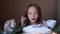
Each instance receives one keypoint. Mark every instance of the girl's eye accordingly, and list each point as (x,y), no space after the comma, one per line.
(36,13)
(30,13)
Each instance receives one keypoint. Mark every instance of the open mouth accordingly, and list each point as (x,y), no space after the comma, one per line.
(33,18)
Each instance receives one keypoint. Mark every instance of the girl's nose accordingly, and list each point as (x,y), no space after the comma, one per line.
(33,15)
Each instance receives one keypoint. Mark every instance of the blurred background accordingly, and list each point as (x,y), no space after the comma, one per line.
(14,9)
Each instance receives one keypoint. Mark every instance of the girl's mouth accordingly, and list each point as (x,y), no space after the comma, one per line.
(33,18)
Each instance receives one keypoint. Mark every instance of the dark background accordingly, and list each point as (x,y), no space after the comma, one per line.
(14,9)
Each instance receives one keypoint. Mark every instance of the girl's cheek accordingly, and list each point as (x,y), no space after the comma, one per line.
(29,16)
(36,15)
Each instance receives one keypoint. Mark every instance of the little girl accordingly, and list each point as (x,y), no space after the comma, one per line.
(32,20)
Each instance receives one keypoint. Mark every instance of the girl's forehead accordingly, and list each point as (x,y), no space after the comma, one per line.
(32,9)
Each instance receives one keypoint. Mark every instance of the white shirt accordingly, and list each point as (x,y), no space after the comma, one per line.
(38,27)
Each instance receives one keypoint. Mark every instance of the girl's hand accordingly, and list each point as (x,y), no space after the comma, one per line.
(22,21)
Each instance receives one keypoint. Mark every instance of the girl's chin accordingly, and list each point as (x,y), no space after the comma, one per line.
(33,21)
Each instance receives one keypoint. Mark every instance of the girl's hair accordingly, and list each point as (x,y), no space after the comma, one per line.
(39,19)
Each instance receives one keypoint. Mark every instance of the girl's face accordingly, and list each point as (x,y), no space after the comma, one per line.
(32,14)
